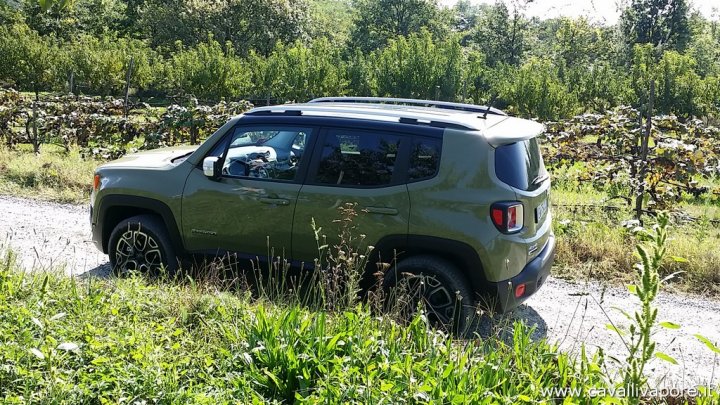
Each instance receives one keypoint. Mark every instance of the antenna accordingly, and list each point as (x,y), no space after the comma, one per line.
(490,104)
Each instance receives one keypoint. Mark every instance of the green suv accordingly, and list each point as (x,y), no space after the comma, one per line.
(457,193)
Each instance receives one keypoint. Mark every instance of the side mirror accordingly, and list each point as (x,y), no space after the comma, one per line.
(211,167)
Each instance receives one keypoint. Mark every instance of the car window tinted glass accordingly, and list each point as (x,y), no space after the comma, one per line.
(424,158)
(267,152)
(520,164)
(357,158)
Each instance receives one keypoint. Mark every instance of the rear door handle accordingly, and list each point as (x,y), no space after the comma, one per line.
(382,210)
(274,201)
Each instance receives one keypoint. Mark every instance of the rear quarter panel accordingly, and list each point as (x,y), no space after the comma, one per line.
(456,204)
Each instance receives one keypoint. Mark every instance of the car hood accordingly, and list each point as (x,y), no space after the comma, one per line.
(155,158)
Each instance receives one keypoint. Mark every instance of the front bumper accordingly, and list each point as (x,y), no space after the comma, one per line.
(532,276)
(96,232)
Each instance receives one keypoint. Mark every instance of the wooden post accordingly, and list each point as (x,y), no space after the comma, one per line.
(72,81)
(127,83)
(645,140)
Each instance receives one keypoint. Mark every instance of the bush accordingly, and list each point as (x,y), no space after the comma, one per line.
(28,60)
(100,65)
(419,67)
(205,71)
(534,90)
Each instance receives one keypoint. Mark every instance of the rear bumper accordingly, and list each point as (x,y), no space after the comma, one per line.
(532,276)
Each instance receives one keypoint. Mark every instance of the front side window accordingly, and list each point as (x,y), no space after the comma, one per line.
(266,152)
(357,158)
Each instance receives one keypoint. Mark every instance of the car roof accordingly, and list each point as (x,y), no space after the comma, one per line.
(493,124)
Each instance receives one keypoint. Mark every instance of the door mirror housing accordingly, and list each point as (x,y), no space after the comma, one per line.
(212,167)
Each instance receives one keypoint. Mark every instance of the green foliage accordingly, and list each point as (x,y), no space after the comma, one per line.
(534,90)
(27,59)
(418,67)
(641,347)
(100,65)
(660,23)
(300,72)
(378,21)
(502,36)
(278,51)
(71,341)
(246,24)
(205,71)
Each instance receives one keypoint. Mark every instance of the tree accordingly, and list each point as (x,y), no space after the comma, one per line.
(418,67)
(380,20)
(502,36)
(662,23)
(245,24)
(28,59)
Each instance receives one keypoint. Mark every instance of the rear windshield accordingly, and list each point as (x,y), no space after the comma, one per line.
(520,164)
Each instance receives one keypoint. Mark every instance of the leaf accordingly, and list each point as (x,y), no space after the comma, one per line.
(67,346)
(614,329)
(669,325)
(58,316)
(710,345)
(38,323)
(37,353)
(663,356)
(632,288)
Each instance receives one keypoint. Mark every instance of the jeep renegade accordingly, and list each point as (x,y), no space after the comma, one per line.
(457,193)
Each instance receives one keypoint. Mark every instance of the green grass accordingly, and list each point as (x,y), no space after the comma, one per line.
(131,340)
(53,175)
(64,340)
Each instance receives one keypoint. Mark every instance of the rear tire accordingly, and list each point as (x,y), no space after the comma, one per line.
(445,292)
(141,244)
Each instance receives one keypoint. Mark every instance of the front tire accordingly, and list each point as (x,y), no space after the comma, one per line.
(444,291)
(141,244)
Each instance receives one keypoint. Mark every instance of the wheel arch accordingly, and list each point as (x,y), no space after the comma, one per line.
(398,247)
(115,208)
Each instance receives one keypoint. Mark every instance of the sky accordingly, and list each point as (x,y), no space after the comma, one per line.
(603,11)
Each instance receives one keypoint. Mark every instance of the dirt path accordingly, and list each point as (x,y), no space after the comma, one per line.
(46,235)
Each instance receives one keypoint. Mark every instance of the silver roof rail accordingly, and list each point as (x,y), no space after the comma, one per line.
(410,101)
(441,118)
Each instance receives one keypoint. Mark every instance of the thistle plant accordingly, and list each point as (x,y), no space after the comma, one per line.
(641,347)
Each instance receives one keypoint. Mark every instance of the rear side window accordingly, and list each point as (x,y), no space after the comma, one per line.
(520,164)
(357,158)
(424,158)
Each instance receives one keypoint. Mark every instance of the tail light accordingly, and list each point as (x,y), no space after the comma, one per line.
(96,182)
(507,216)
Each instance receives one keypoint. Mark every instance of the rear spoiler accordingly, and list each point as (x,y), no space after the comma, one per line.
(510,130)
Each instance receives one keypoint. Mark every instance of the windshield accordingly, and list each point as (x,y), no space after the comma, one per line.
(520,164)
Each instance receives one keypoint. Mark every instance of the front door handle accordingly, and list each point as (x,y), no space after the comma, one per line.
(382,210)
(274,201)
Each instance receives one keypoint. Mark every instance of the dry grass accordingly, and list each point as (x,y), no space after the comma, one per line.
(53,175)
(598,244)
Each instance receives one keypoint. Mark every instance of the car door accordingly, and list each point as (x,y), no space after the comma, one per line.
(353,166)
(249,209)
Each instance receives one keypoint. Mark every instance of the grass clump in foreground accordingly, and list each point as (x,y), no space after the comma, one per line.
(64,340)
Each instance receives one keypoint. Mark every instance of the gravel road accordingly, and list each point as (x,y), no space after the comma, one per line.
(47,235)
